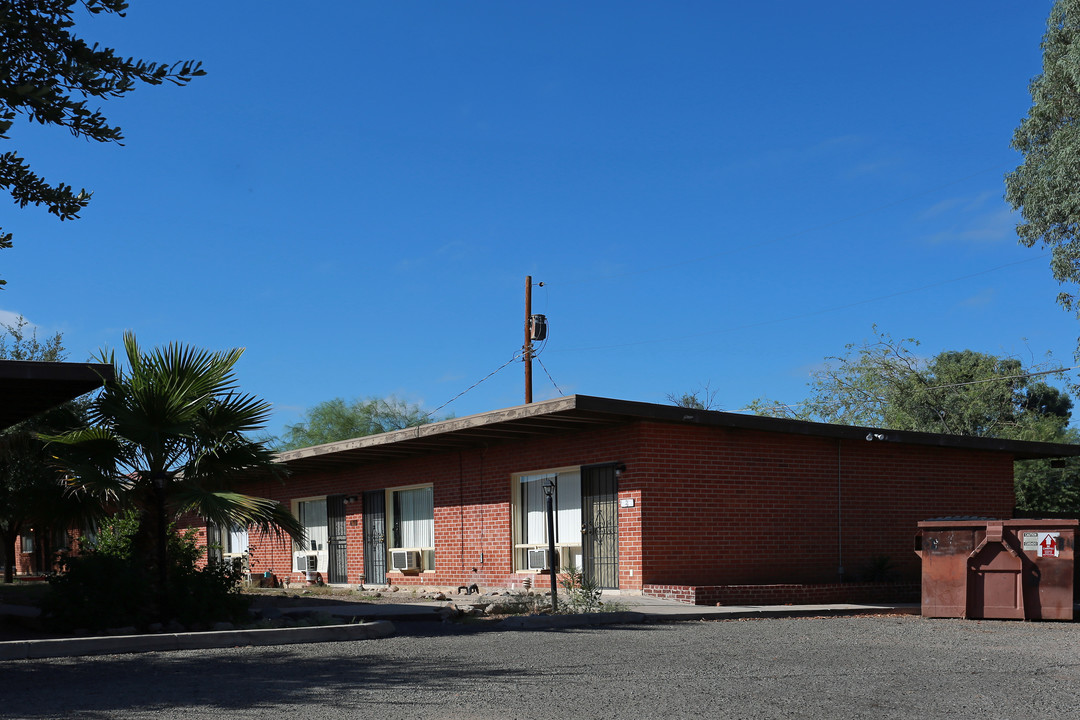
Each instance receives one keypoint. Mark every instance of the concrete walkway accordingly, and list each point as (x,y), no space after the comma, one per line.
(368,621)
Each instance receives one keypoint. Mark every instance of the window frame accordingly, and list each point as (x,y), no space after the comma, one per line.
(427,552)
(518,520)
(323,553)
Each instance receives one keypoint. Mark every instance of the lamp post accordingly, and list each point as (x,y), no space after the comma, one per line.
(549,492)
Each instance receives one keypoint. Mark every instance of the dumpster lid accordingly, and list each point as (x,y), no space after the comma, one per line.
(981,522)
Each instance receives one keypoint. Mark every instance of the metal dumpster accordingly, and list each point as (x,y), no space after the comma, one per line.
(985,568)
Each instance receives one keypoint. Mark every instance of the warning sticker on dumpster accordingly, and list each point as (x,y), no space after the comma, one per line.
(1031,542)
(1048,544)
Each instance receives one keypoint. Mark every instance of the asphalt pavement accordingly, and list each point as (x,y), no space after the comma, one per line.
(360,621)
(821,668)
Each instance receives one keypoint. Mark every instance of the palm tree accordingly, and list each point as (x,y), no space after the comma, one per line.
(33,493)
(170,436)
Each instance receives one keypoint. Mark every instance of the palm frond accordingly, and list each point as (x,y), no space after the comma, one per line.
(229,508)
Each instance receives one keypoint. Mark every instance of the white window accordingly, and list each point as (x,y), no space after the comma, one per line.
(312,555)
(28,542)
(531,528)
(413,521)
(235,541)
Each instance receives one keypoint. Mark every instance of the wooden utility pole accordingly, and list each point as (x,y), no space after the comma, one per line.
(527,350)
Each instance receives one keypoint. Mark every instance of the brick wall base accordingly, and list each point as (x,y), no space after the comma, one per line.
(788,594)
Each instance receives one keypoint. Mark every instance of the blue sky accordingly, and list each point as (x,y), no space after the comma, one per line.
(712,193)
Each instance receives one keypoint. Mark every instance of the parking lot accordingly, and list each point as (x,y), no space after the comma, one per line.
(860,667)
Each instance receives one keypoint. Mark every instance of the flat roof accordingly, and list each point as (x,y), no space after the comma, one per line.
(575,413)
(29,387)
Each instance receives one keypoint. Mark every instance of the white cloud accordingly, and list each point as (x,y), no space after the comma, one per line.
(981,299)
(8,317)
(991,226)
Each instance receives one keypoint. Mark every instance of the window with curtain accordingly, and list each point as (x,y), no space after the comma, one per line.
(236,540)
(312,514)
(532,508)
(414,518)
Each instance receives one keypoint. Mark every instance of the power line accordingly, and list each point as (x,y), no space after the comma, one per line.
(486,377)
(557,388)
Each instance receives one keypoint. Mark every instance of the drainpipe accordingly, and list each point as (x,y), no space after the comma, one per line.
(839,511)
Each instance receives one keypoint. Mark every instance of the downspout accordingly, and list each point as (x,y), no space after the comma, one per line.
(839,511)
(461,507)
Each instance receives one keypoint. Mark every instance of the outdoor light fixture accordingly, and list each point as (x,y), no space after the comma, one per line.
(549,492)
(619,470)
(871,436)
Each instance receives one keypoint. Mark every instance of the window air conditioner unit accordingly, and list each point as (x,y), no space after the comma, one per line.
(538,559)
(404,560)
(306,563)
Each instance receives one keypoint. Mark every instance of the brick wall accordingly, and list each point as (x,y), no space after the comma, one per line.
(471,491)
(787,594)
(728,506)
(711,506)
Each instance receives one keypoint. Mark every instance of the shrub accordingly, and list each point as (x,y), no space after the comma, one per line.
(108,586)
(582,595)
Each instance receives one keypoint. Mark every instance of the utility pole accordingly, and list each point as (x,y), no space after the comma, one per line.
(535,329)
(528,339)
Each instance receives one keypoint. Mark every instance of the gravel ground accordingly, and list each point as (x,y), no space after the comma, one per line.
(869,667)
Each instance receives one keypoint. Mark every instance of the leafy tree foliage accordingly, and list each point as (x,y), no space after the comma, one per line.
(107,585)
(32,491)
(885,384)
(17,344)
(336,419)
(169,436)
(704,398)
(51,76)
(1045,188)
(33,494)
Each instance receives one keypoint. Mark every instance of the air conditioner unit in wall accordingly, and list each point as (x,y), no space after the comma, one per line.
(305,563)
(404,560)
(538,559)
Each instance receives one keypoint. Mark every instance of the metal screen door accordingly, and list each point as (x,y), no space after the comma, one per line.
(600,525)
(375,537)
(338,570)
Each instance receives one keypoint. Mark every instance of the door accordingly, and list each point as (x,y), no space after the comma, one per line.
(600,525)
(375,537)
(337,571)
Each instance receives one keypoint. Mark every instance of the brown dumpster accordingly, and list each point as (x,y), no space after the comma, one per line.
(984,568)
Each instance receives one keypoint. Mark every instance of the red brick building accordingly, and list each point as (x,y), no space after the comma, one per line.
(698,505)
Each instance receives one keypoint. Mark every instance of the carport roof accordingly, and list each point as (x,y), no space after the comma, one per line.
(575,413)
(28,387)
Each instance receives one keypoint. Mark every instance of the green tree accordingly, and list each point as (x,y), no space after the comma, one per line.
(704,398)
(51,77)
(885,384)
(32,491)
(169,436)
(1045,188)
(336,419)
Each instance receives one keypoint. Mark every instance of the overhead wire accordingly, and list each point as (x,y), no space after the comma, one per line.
(486,377)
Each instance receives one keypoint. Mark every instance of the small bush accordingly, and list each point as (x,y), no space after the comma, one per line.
(108,586)
(582,594)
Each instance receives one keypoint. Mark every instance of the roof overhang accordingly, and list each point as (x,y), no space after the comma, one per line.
(28,387)
(576,413)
